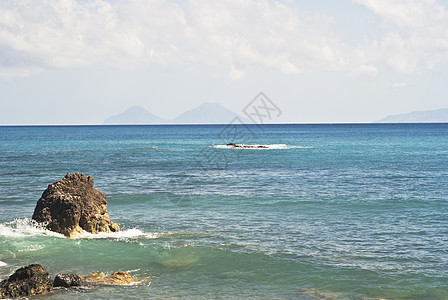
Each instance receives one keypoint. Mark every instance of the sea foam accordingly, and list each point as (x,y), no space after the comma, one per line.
(25,227)
(132,233)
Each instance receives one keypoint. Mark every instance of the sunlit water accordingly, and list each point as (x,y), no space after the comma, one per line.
(326,211)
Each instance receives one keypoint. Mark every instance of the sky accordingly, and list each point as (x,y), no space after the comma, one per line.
(331,61)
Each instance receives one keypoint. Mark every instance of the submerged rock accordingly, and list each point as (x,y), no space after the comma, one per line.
(72,205)
(117,278)
(67,280)
(26,281)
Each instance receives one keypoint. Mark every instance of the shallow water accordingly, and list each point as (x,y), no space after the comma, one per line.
(338,211)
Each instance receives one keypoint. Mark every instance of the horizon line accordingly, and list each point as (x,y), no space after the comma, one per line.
(208,124)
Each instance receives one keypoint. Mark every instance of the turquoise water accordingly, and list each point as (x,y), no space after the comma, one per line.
(331,211)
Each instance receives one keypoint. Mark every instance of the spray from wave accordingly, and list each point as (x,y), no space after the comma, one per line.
(24,228)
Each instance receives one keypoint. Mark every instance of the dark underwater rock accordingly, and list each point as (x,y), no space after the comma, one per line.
(26,281)
(67,280)
(72,205)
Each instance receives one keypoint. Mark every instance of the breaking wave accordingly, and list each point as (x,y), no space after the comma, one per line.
(25,227)
(21,228)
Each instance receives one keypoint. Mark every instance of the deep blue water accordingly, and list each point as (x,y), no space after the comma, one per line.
(350,211)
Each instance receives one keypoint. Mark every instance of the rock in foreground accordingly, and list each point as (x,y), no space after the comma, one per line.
(26,281)
(72,205)
(117,278)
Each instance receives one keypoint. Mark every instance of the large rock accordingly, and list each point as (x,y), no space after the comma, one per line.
(71,206)
(26,281)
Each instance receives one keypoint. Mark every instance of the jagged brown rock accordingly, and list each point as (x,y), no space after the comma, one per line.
(26,281)
(72,205)
(117,278)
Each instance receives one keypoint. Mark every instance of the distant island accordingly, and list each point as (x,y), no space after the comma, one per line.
(426,116)
(206,113)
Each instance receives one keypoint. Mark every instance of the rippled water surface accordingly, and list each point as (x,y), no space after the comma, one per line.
(322,212)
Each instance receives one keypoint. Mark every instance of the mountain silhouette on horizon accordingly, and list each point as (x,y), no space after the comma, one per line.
(134,115)
(206,113)
(425,116)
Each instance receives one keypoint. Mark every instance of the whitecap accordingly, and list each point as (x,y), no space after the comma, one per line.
(3,264)
(25,227)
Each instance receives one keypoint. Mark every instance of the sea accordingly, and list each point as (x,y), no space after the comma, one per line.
(310,211)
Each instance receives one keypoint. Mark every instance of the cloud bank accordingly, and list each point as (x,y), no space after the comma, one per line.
(417,37)
(38,35)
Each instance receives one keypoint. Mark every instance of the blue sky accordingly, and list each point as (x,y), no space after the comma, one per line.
(78,62)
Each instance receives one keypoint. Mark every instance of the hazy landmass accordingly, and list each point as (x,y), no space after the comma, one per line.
(426,116)
(134,115)
(206,113)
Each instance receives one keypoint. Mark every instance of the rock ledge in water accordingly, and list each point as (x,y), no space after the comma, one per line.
(26,281)
(72,205)
(117,278)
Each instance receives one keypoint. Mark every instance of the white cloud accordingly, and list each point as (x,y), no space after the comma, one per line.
(399,85)
(417,37)
(368,69)
(39,34)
